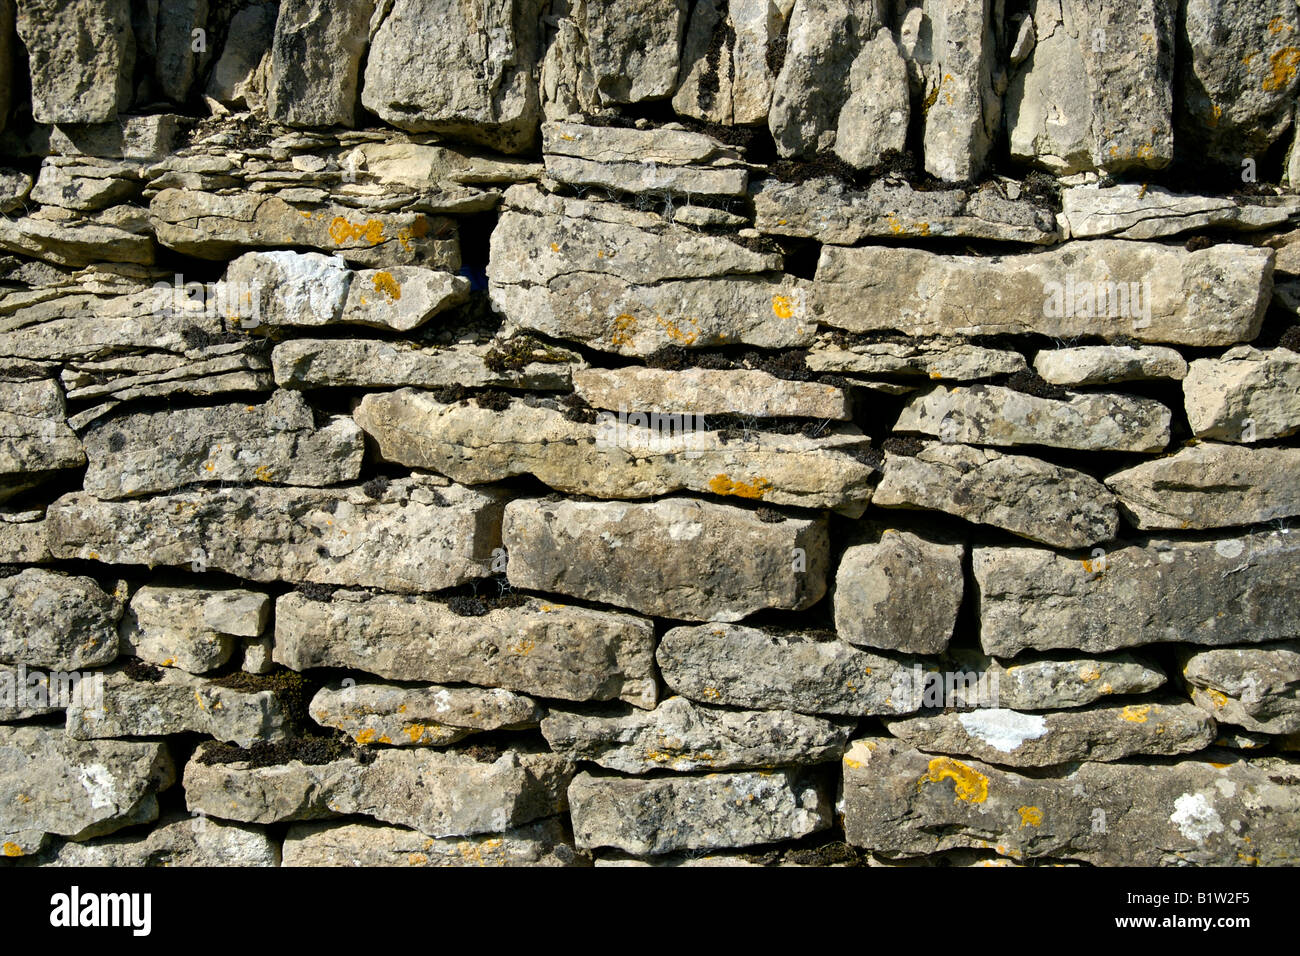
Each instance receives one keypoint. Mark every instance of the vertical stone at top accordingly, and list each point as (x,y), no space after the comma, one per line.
(465,69)
(315,59)
(81,54)
(727,62)
(6,59)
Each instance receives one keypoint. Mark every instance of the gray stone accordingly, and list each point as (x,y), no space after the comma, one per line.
(1053,683)
(731,81)
(1141,211)
(1210,485)
(994,415)
(194,629)
(87,187)
(1102,732)
(872,123)
(661,161)
(681,736)
(275,443)
(634,48)
(650,816)
(151,136)
(416,536)
(540,647)
(1209,297)
(432,715)
(943,359)
(961,111)
(874,585)
(80,54)
(14,184)
(174,59)
(27,692)
(315,61)
(401,298)
(242,73)
(1257,688)
(674,558)
(699,391)
(22,538)
(34,433)
(615,457)
(1109,364)
(437,792)
(740,666)
(544,843)
(51,619)
(74,243)
(1042,502)
(1134,813)
(1244,395)
(175,840)
(1215,591)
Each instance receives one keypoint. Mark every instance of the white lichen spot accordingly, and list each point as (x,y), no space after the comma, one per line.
(685,530)
(1229,547)
(1003,730)
(1195,818)
(98,783)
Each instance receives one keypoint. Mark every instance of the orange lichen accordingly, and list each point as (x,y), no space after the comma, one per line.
(723,485)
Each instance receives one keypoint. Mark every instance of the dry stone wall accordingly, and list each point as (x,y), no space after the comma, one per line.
(664,432)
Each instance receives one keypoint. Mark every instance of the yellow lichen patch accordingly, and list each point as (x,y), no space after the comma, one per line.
(624,327)
(93,555)
(555,247)
(524,647)
(386,285)
(209,466)
(341,231)
(723,485)
(711,693)
(1281,69)
(414,731)
(1215,113)
(366,736)
(675,332)
(548,608)
(1094,567)
(1030,816)
(968,783)
(13,849)
(169,662)
(1090,675)
(1278,24)
(783,307)
(262,473)
(1220,766)
(1136,713)
(1220,699)
(385,739)
(416,859)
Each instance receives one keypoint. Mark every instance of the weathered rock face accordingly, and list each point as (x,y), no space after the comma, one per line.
(543,843)
(315,61)
(1210,485)
(1245,395)
(680,735)
(1049,683)
(726,74)
(194,629)
(1146,813)
(685,813)
(605,552)
(1207,592)
(539,647)
(698,391)
(50,619)
(936,358)
(80,55)
(1106,288)
(373,713)
(176,840)
(414,536)
(1107,364)
(34,433)
(1136,211)
(440,794)
(1257,688)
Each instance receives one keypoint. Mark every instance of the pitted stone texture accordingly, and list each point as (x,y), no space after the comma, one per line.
(316,61)
(681,736)
(1142,211)
(812,673)
(994,415)
(1210,485)
(1257,688)
(52,619)
(1213,592)
(417,535)
(194,629)
(80,55)
(677,558)
(373,713)
(540,647)
(1017,739)
(175,840)
(615,459)
(1245,395)
(34,432)
(701,391)
(1209,297)
(1028,497)
(544,843)
(437,792)
(1109,364)
(876,581)
(651,816)
(1134,813)
(74,243)
(1036,682)
(276,443)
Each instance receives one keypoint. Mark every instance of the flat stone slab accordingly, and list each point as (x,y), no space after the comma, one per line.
(1109,364)
(428,716)
(1257,688)
(194,629)
(1141,211)
(934,358)
(699,391)
(1245,395)
(543,843)
(1037,682)
(175,840)
(34,432)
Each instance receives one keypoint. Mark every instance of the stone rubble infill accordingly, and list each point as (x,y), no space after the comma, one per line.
(614,458)
(275,443)
(1052,683)
(543,843)
(700,391)
(874,585)
(416,535)
(682,736)
(175,703)
(994,415)
(440,793)
(661,162)
(1210,485)
(429,716)
(1133,813)
(366,363)
(194,629)
(1046,503)
(52,784)
(739,666)
(678,558)
(1245,395)
(1109,364)
(1209,592)
(540,647)
(177,839)
(34,432)
(56,620)
(827,210)
(1016,739)
(1257,688)
(660,815)
(950,359)
(1213,296)
(631,282)
(1139,211)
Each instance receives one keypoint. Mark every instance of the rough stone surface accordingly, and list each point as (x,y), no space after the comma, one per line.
(698,391)
(937,358)
(34,433)
(1245,395)
(726,74)
(1052,683)
(1139,211)
(1108,364)
(176,840)
(51,619)
(373,713)
(662,162)
(543,843)
(80,56)
(194,629)
(1257,688)
(315,61)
